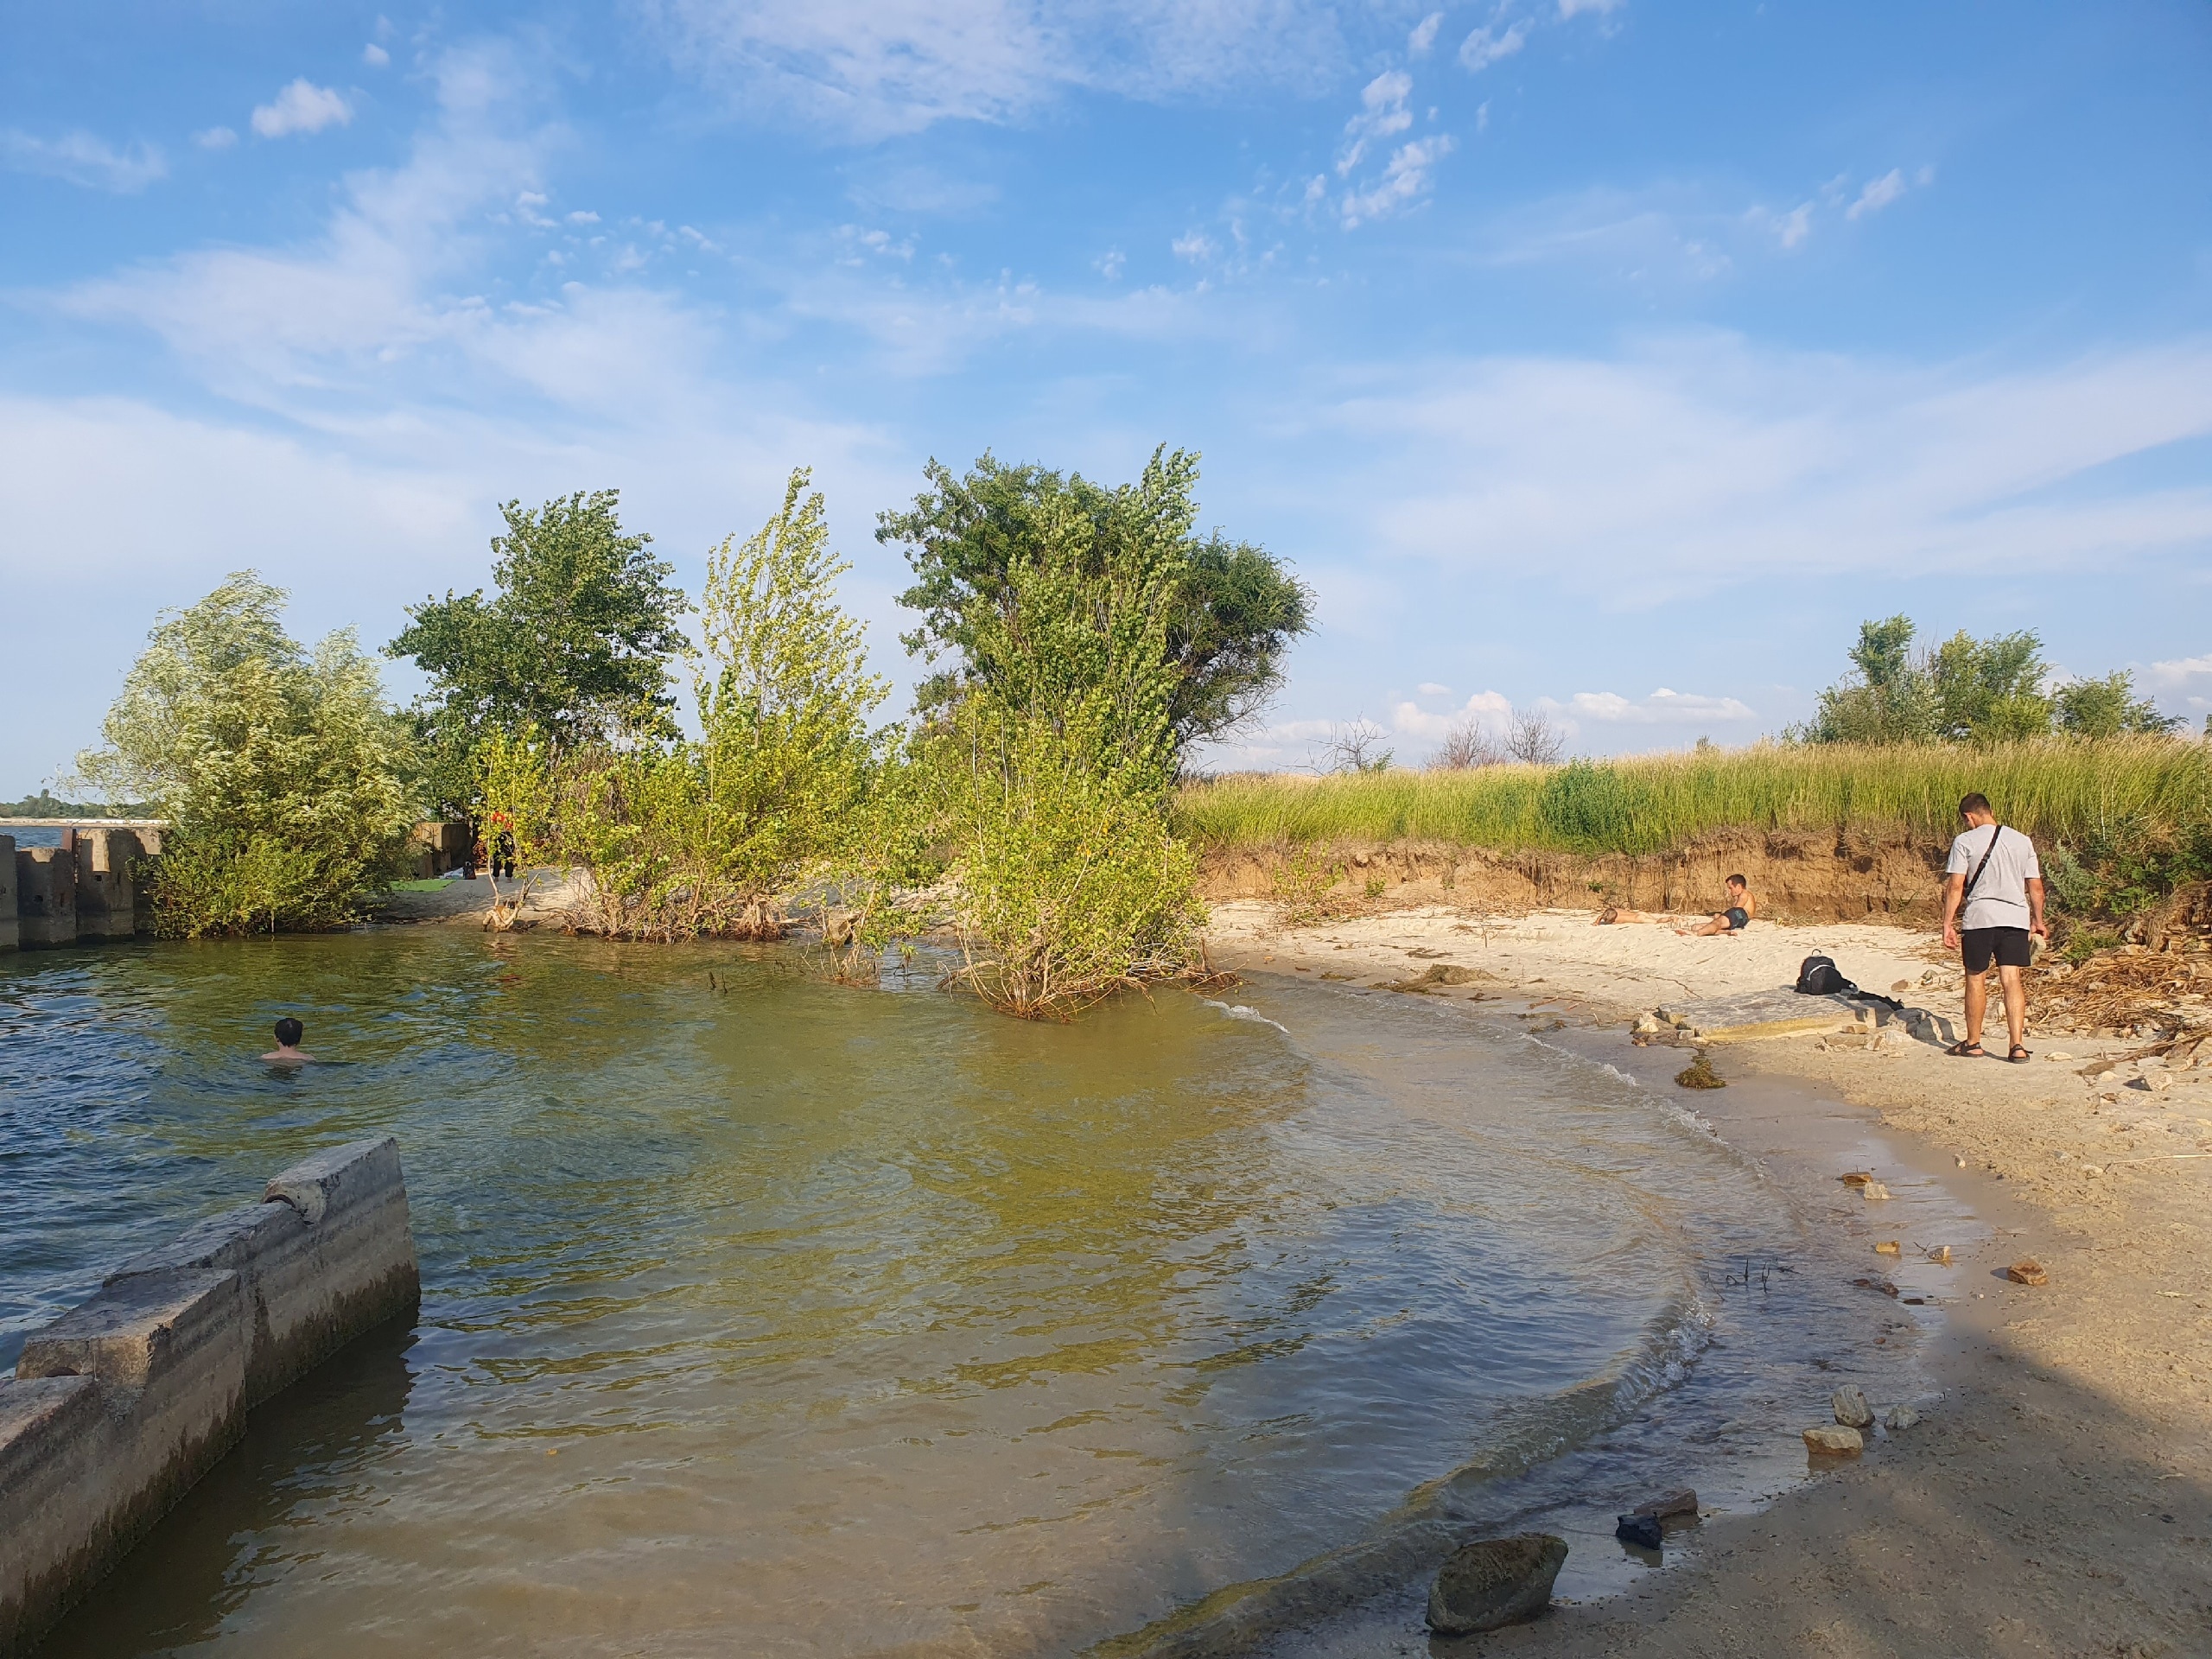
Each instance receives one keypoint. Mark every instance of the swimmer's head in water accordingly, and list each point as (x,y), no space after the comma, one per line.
(289,1032)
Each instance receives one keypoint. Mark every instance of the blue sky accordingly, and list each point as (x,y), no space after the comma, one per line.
(1595,355)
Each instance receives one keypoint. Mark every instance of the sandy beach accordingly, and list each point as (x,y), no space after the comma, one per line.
(2057,1499)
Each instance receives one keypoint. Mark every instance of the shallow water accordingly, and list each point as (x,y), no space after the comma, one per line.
(784,1318)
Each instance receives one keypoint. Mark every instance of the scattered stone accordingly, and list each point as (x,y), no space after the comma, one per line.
(1873,1190)
(1495,1582)
(1851,1408)
(1941,1255)
(2058,1054)
(1833,1440)
(2027,1271)
(1958,1162)
(1897,1419)
(1682,1501)
(1888,1247)
(2093,1169)
(1857,1177)
(2155,1081)
(1642,1529)
(1647,1025)
(1882,1285)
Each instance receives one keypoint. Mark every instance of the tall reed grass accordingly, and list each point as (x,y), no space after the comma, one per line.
(2063,792)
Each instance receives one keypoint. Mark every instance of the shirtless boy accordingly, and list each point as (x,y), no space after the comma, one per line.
(287,1051)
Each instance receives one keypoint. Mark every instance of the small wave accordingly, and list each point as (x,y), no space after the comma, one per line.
(1238,1011)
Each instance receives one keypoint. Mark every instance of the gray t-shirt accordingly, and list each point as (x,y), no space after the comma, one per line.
(2000,898)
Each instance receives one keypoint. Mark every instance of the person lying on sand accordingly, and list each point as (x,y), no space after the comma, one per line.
(287,1051)
(1732,920)
(1617,916)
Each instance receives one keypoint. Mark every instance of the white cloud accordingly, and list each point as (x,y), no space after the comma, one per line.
(1878,194)
(215,138)
(1662,708)
(375,56)
(2180,671)
(1195,246)
(1404,178)
(1110,264)
(867,68)
(1489,710)
(1793,226)
(1697,463)
(1575,7)
(300,107)
(1429,689)
(1382,112)
(1488,44)
(81,158)
(1424,34)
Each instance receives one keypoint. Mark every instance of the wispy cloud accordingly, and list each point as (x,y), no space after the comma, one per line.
(1405,176)
(866,69)
(81,158)
(1382,112)
(1662,708)
(1878,194)
(1700,462)
(375,56)
(302,106)
(1424,34)
(1492,42)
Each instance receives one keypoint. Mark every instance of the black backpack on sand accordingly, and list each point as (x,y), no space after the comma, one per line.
(1819,976)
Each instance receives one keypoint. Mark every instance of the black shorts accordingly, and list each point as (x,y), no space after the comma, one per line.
(1739,918)
(2011,946)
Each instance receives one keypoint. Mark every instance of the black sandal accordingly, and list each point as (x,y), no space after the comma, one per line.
(2019,1056)
(1967,1051)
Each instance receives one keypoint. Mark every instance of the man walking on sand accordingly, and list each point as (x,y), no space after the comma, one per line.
(1992,873)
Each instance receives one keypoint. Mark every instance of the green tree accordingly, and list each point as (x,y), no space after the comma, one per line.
(2108,707)
(573,645)
(280,769)
(1230,613)
(1050,763)
(1966,690)
(685,837)
(1890,700)
(1989,691)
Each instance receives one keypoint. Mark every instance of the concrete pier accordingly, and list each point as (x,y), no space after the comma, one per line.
(106,899)
(45,896)
(10,929)
(119,1405)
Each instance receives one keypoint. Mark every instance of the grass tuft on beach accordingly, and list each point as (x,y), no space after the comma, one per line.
(2063,791)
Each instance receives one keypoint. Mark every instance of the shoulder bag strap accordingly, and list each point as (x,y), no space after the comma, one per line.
(1966,891)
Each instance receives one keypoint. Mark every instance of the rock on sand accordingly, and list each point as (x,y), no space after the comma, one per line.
(1851,1408)
(1833,1440)
(1494,1582)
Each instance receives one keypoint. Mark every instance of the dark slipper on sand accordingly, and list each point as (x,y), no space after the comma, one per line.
(1969,1050)
(2019,1056)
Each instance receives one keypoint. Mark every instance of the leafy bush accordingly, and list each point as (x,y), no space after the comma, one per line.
(280,771)
(710,836)
(1595,809)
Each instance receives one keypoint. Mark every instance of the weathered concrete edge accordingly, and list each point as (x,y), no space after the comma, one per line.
(118,1406)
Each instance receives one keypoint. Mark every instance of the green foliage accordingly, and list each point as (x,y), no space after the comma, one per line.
(573,645)
(1229,612)
(1301,881)
(681,838)
(1594,808)
(1966,690)
(47,805)
(2110,708)
(280,771)
(1051,758)
(1070,886)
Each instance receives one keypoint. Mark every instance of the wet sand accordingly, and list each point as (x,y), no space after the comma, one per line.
(2057,1499)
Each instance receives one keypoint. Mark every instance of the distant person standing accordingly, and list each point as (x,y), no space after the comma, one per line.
(1994,878)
